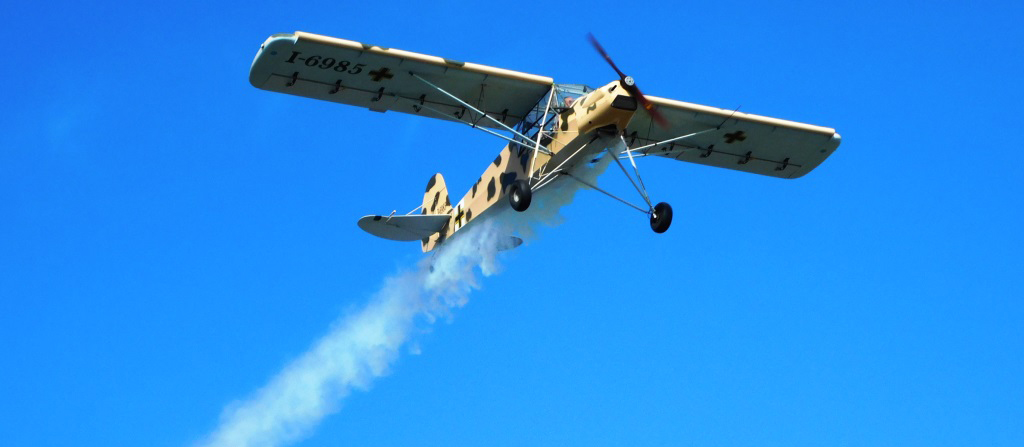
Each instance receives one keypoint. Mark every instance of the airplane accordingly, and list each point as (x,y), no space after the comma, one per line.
(551,129)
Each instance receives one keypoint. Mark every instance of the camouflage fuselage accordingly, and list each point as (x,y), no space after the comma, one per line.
(575,127)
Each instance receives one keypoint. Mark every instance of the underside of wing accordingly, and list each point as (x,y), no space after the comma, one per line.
(731,139)
(411,227)
(381,79)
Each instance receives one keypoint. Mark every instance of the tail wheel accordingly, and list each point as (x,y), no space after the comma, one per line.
(519,196)
(661,217)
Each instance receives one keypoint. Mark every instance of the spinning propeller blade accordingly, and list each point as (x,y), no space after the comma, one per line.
(630,85)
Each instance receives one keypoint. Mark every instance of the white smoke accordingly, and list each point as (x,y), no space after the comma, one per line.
(362,346)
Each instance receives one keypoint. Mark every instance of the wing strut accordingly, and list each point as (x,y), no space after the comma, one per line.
(550,176)
(473,125)
(485,115)
(540,133)
(646,148)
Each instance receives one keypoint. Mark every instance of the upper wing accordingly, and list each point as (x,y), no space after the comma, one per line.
(359,74)
(741,141)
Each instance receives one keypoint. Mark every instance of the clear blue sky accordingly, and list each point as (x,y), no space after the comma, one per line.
(171,237)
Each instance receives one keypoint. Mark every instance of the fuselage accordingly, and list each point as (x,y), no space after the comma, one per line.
(603,112)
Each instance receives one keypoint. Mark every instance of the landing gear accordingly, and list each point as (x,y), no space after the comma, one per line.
(519,195)
(661,217)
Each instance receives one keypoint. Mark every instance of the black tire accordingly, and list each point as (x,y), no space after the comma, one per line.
(661,218)
(519,195)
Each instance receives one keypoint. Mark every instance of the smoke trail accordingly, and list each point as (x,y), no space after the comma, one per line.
(362,346)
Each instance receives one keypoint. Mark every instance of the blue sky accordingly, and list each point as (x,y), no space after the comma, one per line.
(172,237)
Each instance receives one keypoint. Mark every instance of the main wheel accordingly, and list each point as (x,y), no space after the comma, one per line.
(661,218)
(519,195)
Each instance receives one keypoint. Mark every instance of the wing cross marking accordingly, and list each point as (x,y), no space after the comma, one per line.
(735,136)
(382,73)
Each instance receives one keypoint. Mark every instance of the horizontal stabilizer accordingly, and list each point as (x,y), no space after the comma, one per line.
(412,227)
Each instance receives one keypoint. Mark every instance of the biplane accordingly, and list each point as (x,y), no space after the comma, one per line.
(550,129)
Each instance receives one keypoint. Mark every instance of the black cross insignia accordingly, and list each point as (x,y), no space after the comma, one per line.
(382,73)
(735,136)
(458,217)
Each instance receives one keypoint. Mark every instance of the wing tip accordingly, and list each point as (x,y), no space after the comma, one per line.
(261,67)
(827,150)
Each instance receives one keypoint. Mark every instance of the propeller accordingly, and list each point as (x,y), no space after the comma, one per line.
(630,85)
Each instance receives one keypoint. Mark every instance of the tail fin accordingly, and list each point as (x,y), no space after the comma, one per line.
(435,201)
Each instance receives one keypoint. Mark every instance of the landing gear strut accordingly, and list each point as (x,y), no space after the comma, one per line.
(519,196)
(660,214)
(661,217)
